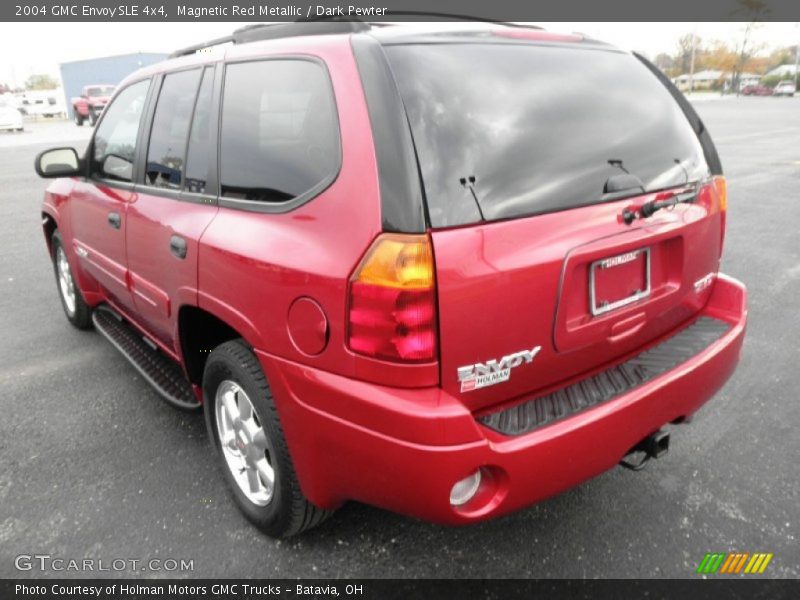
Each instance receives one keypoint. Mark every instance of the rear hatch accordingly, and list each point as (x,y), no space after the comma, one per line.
(534,157)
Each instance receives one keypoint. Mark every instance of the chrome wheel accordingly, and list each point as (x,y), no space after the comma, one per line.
(244,443)
(65,281)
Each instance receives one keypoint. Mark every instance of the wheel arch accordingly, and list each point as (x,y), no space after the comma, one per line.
(199,332)
(49,226)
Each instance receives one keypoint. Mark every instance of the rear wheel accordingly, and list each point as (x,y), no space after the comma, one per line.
(245,430)
(78,119)
(92,118)
(77,311)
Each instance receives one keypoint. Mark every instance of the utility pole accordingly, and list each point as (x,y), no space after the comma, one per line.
(796,53)
(691,61)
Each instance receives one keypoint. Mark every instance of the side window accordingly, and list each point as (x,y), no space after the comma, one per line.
(115,138)
(200,137)
(170,129)
(280,135)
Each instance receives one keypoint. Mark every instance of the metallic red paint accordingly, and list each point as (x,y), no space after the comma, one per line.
(512,285)
(403,450)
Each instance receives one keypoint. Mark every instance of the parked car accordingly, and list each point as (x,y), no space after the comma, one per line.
(41,103)
(90,104)
(411,269)
(756,90)
(10,117)
(784,88)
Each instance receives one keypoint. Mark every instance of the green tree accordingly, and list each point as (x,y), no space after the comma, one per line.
(40,82)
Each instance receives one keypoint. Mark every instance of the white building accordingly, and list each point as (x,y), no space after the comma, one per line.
(786,71)
(713,79)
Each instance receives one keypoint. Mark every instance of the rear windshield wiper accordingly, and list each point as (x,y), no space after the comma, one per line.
(650,208)
(626,181)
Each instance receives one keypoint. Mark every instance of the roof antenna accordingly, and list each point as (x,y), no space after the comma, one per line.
(617,162)
(469,182)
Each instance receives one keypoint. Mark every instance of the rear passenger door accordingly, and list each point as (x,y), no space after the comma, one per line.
(175,200)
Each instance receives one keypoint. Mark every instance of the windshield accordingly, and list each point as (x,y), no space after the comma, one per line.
(105,90)
(511,130)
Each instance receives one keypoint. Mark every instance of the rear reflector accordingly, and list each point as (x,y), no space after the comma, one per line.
(463,491)
(721,187)
(392,312)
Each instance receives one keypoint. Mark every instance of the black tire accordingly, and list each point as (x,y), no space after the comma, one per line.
(288,512)
(92,118)
(81,315)
(78,119)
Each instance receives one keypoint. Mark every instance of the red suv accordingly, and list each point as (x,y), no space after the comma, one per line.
(445,273)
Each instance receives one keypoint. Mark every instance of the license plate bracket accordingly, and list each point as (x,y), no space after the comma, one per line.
(619,280)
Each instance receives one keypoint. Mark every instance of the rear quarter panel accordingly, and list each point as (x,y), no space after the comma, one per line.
(253,265)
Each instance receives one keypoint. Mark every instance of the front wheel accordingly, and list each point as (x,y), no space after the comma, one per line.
(246,433)
(75,307)
(78,119)
(92,118)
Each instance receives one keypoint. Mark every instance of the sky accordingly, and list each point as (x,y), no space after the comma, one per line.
(29,48)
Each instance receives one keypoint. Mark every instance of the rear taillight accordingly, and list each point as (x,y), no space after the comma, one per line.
(393,300)
(721,188)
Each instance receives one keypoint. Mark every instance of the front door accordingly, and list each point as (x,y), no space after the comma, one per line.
(99,205)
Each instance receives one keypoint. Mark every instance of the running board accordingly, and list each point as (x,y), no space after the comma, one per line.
(164,374)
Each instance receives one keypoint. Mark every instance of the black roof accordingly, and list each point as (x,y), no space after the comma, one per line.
(473,30)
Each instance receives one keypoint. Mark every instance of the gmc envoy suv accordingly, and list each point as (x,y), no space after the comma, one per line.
(449,273)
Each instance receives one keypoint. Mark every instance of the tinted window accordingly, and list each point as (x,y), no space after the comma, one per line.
(100,91)
(536,127)
(115,137)
(279,130)
(199,139)
(170,129)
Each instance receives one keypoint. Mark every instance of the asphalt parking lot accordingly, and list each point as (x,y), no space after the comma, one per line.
(93,464)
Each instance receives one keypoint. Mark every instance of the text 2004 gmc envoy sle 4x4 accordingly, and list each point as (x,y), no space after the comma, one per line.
(447,273)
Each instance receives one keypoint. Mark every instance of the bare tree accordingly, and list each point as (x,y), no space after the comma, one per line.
(755,11)
(686,44)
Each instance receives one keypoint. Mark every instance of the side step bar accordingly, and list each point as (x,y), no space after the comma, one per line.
(160,371)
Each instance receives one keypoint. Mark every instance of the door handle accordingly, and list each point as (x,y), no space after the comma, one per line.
(177,245)
(114,220)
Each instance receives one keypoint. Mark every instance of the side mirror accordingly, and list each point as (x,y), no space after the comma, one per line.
(58,162)
(118,167)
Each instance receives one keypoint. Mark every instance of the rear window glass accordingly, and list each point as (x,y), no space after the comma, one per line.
(528,129)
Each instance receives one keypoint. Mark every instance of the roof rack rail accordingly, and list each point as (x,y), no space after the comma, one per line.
(322,26)
(455,17)
(274,31)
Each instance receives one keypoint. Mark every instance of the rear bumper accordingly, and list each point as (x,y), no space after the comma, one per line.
(404,449)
